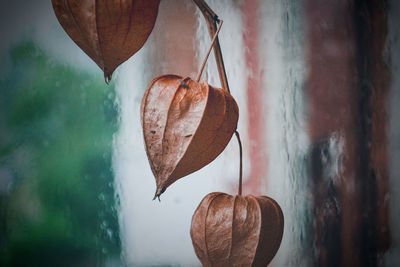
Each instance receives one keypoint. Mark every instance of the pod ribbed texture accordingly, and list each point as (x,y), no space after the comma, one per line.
(186,125)
(231,230)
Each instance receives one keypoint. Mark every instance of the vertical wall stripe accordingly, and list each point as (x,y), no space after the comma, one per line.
(283,68)
(347,87)
(255,105)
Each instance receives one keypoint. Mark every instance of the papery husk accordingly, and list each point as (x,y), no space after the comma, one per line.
(108,31)
(241,231)
(186,125)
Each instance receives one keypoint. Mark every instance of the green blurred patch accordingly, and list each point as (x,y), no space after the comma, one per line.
(56,184)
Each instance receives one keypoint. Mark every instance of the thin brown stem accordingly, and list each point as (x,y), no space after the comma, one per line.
(211,20)
(209,50)
(241,162)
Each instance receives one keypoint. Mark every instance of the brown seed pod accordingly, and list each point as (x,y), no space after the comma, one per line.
(109,32)
(186,125)
(241,231)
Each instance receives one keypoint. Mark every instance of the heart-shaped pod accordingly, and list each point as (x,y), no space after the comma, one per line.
(186,125)
(109,32)
(241,231)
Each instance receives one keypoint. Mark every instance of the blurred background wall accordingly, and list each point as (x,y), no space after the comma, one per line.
(317,84)
(57,120)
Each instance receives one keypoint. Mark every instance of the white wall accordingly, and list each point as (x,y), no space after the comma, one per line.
(287,141)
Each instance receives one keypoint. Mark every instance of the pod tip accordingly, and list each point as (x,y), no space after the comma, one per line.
(158,193)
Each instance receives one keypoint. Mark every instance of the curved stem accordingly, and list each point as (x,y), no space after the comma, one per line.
(241,162)
(211,20)
(208,52)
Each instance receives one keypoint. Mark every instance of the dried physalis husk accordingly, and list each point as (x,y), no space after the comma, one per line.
(109,32)
(186,125)
(241,231)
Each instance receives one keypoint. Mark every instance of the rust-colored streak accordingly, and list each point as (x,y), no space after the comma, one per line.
(256,122)
(186,125)
(347,85)
(231,230)
(108,33)
(333,107)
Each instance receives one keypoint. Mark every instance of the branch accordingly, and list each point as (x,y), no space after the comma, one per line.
(211,20)
(208,52)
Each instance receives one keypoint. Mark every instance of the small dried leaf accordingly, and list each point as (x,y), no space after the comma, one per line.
(186,125)
(231,230)
(109,32)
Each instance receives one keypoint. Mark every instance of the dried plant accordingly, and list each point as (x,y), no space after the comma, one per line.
(186,125)
(109,32)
